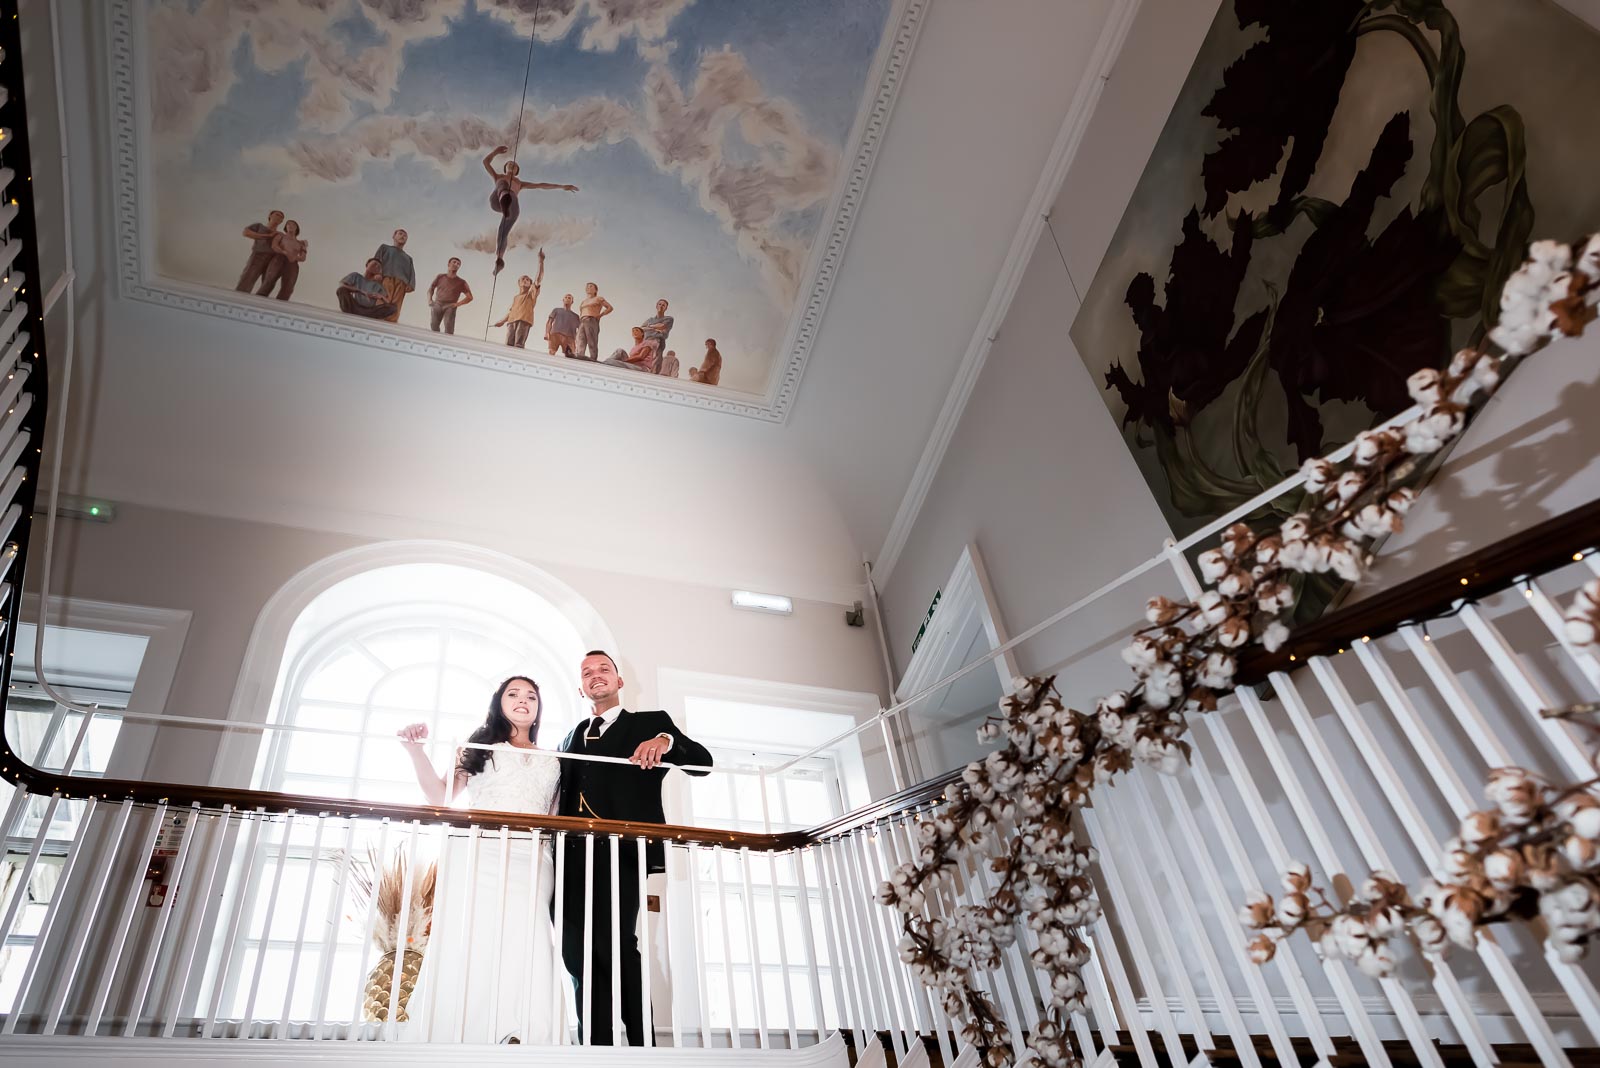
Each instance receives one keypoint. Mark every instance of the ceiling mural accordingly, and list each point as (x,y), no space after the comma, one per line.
(628,187)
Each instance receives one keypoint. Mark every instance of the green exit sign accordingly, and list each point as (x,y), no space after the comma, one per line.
(922,630)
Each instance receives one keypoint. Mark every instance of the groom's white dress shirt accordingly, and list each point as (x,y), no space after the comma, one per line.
(609,717)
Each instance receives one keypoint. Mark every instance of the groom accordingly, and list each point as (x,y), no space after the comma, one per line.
(598,790)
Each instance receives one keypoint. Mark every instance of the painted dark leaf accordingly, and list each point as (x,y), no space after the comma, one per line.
(1282,89)
(1357,317)
(1186,357)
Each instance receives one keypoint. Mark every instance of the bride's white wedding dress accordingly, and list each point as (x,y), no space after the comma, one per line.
(490,972)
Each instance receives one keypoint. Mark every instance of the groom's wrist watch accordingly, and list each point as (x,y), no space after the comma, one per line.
(668,737)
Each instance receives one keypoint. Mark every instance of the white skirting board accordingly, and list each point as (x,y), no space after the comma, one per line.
(66,1051)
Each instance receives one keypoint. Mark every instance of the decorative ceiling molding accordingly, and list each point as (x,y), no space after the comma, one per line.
(1062,154)
(137,280)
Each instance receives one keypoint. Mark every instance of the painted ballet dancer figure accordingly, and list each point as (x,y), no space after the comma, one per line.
(504,199)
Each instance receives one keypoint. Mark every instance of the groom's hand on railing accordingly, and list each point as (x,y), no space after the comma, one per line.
(649,754)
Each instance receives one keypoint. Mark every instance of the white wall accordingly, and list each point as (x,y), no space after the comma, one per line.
(1532,454)
(1037,473)
(224,571)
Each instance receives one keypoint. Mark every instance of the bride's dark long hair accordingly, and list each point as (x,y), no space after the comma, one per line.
(496,728)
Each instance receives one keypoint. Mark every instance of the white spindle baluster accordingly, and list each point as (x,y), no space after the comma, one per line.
(300,927)
(783,950)
(1553,619)
(646,1017)
(130,903)
(247,1022)
(588,939)
(975,886)
(1563,738)
(1355,1012)
(330,938)
(1372,850)
(381,860)
(808,936)
(1148,824)
(241,891)
(903,849)
(1492,750)
(559,976)
(1110,870)
(497,950)
(757,985)
(702,965)
(147,969)
(614,892)
(68,870)
(1504,973)
(862,895)
(536,883)
(77,939)
(734,1041)
(863,984)
(197,902)
(1224,909)
(469,909)
(883,865)
(20,881)
(671,890)
(402,928)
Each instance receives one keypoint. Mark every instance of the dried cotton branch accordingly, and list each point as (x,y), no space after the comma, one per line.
(1015,809)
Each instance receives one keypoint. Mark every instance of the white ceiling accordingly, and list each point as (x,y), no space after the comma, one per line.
(188,411)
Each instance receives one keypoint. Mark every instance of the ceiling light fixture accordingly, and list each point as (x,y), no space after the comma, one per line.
(763,602)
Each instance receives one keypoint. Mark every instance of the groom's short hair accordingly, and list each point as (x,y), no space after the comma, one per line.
(602,652)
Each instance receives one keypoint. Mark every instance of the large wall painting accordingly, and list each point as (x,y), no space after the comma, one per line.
(640,186)
(1308,233)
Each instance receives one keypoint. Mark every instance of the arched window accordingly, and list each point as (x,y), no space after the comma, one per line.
(403,643)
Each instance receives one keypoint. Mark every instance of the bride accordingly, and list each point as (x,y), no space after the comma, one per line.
(489,972)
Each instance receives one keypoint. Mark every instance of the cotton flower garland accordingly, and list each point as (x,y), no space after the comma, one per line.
(1014,810)
(1534,852)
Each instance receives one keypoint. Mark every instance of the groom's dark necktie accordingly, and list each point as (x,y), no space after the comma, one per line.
(595,725)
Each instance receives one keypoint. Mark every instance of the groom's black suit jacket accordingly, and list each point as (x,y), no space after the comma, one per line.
(597,790)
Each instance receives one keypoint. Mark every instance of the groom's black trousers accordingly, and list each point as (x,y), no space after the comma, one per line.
(626,894)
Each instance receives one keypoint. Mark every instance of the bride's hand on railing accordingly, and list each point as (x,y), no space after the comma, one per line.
(413,735)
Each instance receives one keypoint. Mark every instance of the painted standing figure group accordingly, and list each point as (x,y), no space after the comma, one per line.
(470,992)
(379,289)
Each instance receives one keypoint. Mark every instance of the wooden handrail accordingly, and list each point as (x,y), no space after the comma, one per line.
(1523,555)
(1499,566)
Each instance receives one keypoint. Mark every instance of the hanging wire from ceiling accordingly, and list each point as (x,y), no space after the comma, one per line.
(516,145)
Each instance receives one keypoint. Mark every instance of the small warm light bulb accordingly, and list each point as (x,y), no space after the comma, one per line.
(1463,582)
(1365,638)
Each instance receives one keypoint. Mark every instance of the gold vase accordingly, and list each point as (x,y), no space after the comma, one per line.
(380,981)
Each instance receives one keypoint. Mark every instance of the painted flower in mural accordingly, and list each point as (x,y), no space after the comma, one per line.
(1358,317)
(1186,357)
(1308,45)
